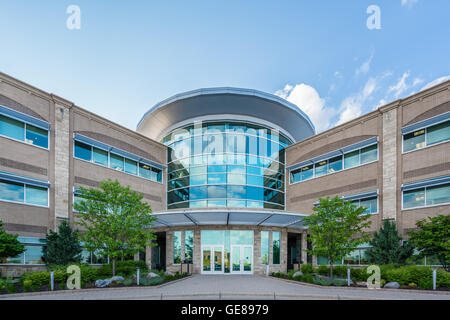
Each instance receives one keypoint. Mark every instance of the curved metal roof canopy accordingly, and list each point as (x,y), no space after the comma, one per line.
(227,217)
(226,104)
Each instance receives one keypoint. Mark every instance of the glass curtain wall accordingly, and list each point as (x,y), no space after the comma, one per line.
(226,164)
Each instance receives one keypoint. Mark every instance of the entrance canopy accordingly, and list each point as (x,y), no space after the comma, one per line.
(229,217)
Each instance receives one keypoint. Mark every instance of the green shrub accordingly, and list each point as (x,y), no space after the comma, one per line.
(323,270)
(308,278)
(290,273)
(442,278)
(156,281)
(340,271)
(38,278)
(340,283)
(408,274)
(298,278)
(322,282)
(27,285)
(11,288)
(359,274)
(62,286)
(129,282)
(307,268)
(2,284)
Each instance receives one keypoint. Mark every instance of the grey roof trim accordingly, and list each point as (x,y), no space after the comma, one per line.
(227,90)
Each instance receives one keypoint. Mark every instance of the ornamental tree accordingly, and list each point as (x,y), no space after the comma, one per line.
(115,219)
(9,245)
(387,247)
(63,247)
(432,238)
(336,228)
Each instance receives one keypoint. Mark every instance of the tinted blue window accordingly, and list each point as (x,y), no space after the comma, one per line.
(438,133)
(217,192)
(83,151)
(11,128)
(116,162)
(11,191)
(255,180)
(335,164)
(255,193)
(197,193)
(413,198)
(236,192)
(131,166)
(36,195)
(100,157)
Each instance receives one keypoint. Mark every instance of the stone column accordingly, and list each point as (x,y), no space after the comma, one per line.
(197,252)
(283,250)
(258,267)
(148,256)
(62,159)
(304,247)
(389,158)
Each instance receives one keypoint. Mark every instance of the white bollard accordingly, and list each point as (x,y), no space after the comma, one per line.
(52,280)
(138,276)
(348,276)
(434,278)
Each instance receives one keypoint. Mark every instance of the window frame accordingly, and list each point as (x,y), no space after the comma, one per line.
(25,134)
(313,165)
(425,200)
(426,137)
(151,168)
(25,196)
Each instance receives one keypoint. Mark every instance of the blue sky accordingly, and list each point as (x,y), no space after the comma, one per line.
(320,55)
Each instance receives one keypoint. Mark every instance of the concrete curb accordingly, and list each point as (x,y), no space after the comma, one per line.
(41,293)
(361,288)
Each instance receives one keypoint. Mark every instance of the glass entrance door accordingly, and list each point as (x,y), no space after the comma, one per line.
(212,259)
(242,259)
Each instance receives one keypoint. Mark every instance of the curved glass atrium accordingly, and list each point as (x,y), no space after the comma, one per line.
(226,164)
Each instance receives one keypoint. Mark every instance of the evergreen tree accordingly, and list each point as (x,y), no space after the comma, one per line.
(387,247)
(9,245)
(62,247)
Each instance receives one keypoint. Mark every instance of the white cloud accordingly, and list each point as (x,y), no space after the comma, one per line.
(435,82)
(400,86)
(351,107)
(417,81)
(409,3)
(310,102)
(365,67)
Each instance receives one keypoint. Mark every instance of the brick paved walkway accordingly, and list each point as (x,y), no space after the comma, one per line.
(234,287)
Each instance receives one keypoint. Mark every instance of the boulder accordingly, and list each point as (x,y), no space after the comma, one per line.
(102,283)
(298,273)
(168,273)
(152,275)
(392,285)
(117,278)
(361,283)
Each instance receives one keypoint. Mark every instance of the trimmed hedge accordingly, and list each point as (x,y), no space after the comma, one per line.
(422,276)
